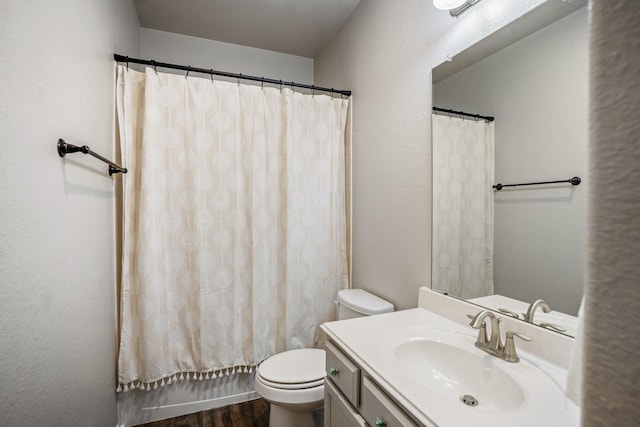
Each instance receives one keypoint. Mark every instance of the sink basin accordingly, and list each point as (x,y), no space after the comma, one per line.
(452,372)
(447,370)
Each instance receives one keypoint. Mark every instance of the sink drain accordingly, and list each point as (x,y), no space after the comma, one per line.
(469,400)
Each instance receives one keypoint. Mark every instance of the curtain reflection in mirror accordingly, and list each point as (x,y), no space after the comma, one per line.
(463,172)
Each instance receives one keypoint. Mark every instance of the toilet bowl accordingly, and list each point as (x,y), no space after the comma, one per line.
(293,381)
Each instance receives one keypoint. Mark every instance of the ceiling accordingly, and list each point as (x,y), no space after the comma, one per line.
(297,27)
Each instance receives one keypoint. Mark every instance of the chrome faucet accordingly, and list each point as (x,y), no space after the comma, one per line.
(528,316)
(494,344)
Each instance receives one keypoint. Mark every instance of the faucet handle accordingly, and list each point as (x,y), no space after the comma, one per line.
(552,326)
(510,354)
(522,336)
(509,313)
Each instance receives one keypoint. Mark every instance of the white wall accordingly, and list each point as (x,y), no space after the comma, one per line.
(384,53)
(197,52)
(137,407)
(537,89)
(57,286)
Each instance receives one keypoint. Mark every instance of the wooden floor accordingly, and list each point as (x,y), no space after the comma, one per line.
(254,413)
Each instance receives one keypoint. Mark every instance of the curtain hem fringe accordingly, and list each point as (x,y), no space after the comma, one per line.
(185,375)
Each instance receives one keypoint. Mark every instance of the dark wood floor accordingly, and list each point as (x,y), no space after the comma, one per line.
(254,413)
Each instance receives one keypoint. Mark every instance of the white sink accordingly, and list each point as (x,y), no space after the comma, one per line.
(444,365)
(453,372)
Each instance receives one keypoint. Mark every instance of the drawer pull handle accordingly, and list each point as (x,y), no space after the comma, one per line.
(380,422)
(334,372)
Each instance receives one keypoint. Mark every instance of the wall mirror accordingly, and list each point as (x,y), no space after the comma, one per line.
(504,249)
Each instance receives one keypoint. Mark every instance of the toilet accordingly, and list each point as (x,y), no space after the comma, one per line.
(293,381)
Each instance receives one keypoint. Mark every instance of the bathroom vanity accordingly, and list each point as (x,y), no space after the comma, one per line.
(420,367)
(352,398)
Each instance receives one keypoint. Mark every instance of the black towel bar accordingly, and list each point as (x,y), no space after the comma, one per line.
(65,148)
(573,181)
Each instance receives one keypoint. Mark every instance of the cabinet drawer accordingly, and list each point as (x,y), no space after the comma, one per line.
(343,373)
(378,410)
(337,411)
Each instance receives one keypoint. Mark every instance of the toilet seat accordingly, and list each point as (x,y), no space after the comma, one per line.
(285,386)
(294,369)
(293,377)
(305,398)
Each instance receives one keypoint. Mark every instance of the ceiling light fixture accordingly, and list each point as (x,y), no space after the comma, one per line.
(455,7)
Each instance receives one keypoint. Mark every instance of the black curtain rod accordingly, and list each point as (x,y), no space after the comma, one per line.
(462,113)
(190,69)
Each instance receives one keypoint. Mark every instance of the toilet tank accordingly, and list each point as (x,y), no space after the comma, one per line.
(358,303)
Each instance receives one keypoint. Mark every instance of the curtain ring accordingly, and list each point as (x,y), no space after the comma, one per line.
(127,63)
(262,83)
(153,64)
(313,91)
(188,71)
(281,85)
(238,81)
(212,75)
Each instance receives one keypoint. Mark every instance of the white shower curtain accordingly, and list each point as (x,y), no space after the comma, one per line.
(463,173)
(233,227)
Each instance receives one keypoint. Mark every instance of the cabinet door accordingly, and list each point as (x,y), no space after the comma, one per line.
(343,373)
(338,412)
(380,411)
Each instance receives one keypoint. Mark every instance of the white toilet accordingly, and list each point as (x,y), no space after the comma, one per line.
(293,381)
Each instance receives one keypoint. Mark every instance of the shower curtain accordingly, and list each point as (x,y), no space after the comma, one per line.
(463,173)
(234,241)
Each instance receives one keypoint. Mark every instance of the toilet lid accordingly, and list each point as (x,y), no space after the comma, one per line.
(294,367)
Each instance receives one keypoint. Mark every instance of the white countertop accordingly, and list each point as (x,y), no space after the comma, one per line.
(369,340)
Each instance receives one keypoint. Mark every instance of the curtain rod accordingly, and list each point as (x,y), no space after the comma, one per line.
(190,69)
(462,113)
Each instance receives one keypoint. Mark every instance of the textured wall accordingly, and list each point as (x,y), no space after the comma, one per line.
(384,53)
(537,89)
(611,387)
(57,284)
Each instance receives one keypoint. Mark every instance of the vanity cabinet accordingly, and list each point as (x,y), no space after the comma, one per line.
(338,412)
(353,399)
